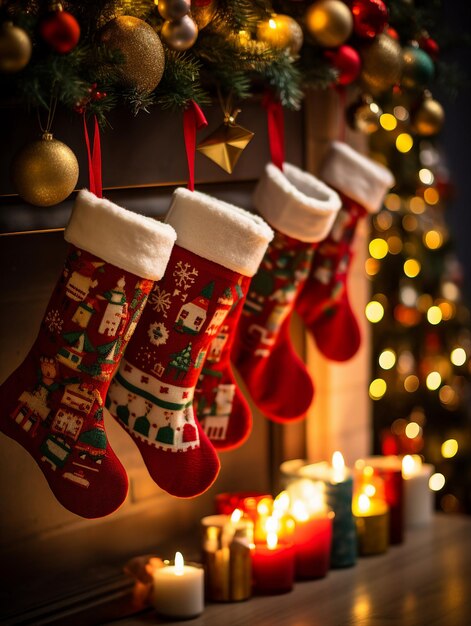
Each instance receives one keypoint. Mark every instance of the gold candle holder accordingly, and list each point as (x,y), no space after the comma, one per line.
(372,524)
(227,542)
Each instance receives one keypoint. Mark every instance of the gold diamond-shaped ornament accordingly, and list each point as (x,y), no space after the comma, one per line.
(225,145)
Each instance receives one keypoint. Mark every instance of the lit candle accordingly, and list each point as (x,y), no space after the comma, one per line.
(338,491)
(418,498)
(312,532)
(273,563)
(389,469)
(257,506)
(227,542)
(372,522)
(178,590)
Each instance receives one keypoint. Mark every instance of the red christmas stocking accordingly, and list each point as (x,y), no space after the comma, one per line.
(301,209)
(219,404)
(53,403)
(152,393)
(323,302)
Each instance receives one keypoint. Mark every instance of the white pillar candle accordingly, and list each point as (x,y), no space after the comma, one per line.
(178,590)
(418,497)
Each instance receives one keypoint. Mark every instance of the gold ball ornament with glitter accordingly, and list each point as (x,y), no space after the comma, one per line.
(203,12)
(143,51)
(330,22)
(363,115)
(45,171)
(428,118)
(281,31)
(179,34)
(15,48)
(381,64)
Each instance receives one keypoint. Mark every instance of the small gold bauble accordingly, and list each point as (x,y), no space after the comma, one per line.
(15,48)
(330,22)
(179,34)
(281,31)
(364,115)
(45,171)
(203,12)
(173,9)
(381,64)
(143,51)
(428,119)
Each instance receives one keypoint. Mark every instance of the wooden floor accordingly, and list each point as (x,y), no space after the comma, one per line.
(424,582)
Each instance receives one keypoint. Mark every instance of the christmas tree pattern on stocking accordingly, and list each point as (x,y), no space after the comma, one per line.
(152,394)
(301,209)
(323,303)
(220,406)
(53,403)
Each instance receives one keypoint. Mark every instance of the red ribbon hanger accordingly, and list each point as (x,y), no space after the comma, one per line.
(276,129)
(193,120)
(94,158)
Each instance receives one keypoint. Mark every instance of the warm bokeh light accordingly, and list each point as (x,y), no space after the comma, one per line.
(408,295)
(433,239)
(417,205)
(424,302)
(394,244)
(412,430)
(433,381)
(378,248)
(384,220)
(458,356)
(447,396)
(388,121)
(447,309)
(392,202)
(411,383)
(409,223)
(412,268)
(387,359)
(404,142)
(450,291)
(372,266)
(374,311)
(431,196)
(401,113)
(449,448)
(426,177)
(436,481)
(377,388)
(434,315)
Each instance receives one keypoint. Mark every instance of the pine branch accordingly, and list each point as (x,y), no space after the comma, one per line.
(180,82)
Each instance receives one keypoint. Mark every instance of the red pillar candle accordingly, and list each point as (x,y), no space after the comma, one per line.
(389,469)
(273,566)
(312,545)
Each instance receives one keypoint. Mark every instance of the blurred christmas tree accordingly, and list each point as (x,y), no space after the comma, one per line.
(421,326)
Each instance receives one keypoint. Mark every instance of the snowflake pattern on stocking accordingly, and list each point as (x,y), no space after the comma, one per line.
(53,321)
(158,334)
(160,300)
(184,276)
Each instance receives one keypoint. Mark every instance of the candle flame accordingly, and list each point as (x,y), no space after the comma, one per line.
(411,465)
(299,511)
(179,564)
(263,507)
(281,503)
(363,503)
(338,465)
(236,516)
(370,490)
(272,540)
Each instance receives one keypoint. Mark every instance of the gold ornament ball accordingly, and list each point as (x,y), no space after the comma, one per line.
(281,31)
(173,9)
(15,48)
(45,171)
(179,34)
(381,64)
(364,115)
(204,13)
(330,22)
(144,57)
(428,119)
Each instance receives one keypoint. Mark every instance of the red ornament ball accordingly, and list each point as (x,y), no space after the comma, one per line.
(347,62)
(370,17)
(60,30)
(430,46)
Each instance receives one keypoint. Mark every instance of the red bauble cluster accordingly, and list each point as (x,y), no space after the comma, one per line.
(60,30)
(346,61)
(370,17)
(93,96)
